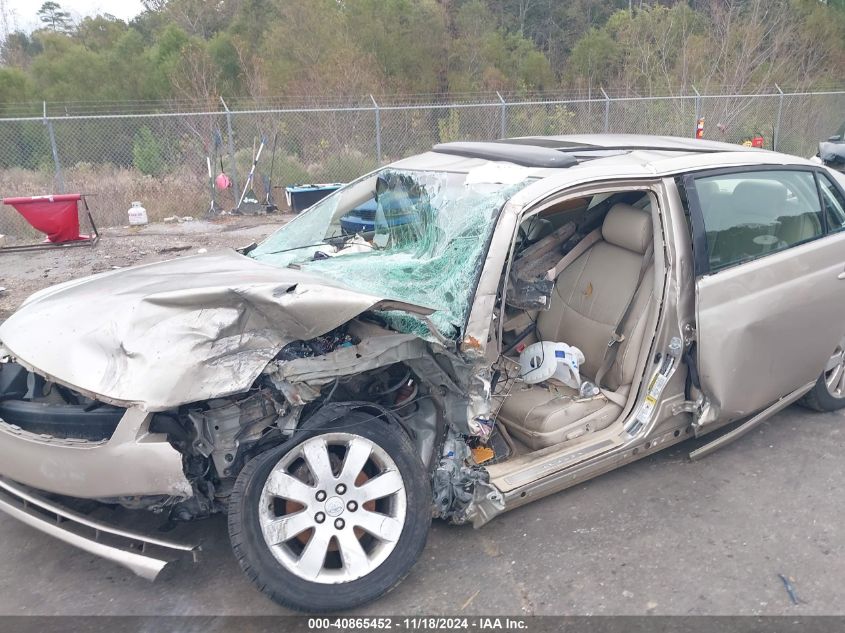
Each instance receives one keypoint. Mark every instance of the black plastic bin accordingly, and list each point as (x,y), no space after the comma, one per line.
(300,197)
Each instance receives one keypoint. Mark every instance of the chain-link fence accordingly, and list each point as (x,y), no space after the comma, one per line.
(163,160)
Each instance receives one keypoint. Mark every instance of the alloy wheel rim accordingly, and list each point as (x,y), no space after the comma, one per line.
(834,372)
(333,508)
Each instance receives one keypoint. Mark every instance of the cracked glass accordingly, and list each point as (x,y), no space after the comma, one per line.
(412,236)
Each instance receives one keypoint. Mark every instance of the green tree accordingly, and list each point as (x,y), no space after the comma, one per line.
(404,38)
(147,154)
(333,64)
(100,33)
(349,48)
(19,49)
(15,87)
(485,57)
(67,71)
(54,17)
(595,58)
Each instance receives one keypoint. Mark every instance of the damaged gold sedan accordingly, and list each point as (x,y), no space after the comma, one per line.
(522,316)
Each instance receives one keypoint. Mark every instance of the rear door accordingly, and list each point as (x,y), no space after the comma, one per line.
(770,283)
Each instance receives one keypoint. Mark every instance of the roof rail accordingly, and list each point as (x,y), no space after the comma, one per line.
(526,155)
(624,142)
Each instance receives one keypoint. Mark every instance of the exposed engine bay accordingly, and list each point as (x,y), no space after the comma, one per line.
(361,366)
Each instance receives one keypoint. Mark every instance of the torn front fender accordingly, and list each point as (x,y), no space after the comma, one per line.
(370,353)
(180,331)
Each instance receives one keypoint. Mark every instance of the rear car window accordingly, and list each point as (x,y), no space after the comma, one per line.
(751,214)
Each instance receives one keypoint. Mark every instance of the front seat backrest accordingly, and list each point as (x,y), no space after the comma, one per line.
(591,293)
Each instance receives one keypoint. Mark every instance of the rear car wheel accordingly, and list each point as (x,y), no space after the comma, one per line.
(335,520)
(828,394)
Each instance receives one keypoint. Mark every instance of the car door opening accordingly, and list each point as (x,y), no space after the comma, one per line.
(605,283)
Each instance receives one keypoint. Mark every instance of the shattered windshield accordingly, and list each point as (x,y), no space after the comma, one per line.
(412,236)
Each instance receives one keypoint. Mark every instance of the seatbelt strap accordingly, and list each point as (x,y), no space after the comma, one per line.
(615,398)
(579,249)
(617,337)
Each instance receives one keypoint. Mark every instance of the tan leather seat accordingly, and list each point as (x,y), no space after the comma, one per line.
(744,226)
(794,229)
(589,298)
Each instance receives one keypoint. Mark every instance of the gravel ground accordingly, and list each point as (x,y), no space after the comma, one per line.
(23,273)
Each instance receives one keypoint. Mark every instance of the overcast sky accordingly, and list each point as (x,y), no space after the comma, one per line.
(22,13)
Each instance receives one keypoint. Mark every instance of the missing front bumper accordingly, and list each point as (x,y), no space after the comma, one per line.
(143,555)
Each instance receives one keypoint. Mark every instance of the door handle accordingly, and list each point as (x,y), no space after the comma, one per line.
(841,275)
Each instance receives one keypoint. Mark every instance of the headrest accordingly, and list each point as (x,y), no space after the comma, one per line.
(627,227)
(707,189)
(759,194)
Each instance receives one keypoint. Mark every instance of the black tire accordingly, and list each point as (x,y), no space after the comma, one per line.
(820,399)
(290,590)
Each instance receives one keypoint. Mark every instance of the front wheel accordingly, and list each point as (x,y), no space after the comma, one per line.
(828,394)
(333,521)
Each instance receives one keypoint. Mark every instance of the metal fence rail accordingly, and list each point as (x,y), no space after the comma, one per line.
(160,159)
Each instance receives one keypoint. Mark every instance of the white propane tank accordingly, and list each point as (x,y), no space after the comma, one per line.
(137,214)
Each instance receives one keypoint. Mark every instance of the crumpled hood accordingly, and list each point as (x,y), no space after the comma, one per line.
(169,333)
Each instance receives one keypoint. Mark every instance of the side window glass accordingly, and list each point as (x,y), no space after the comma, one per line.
(751,214)
(834,204)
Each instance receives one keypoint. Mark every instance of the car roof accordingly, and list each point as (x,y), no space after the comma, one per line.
(593,157)
(547,155)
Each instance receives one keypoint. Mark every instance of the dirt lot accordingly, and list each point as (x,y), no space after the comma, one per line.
(23,273)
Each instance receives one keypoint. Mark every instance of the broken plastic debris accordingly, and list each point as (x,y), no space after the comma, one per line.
(481,427)
(588,389)
(318,346)
(356,245)
(790,589)
(481,454)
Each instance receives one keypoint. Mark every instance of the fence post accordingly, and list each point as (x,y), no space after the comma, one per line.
(503,125)
(777,123)
(606,111)
(697,110)
(60,181)
(378,129)
(231,151)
